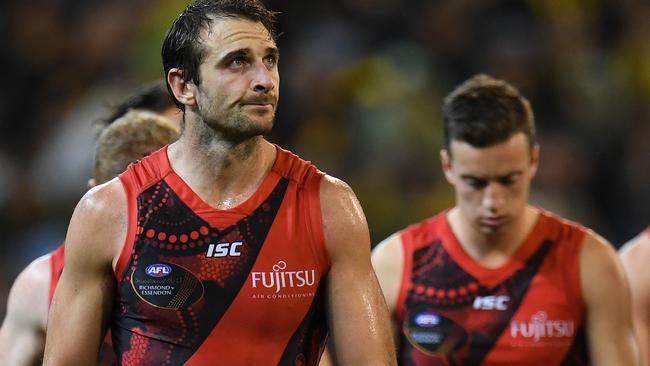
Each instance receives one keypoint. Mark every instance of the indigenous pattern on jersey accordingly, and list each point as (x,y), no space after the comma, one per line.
(453,311)
(202,286)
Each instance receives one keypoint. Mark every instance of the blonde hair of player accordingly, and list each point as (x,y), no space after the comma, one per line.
(130,138)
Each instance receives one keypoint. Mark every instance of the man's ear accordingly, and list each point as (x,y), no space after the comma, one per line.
(534,160)
(445,162)
(182,89)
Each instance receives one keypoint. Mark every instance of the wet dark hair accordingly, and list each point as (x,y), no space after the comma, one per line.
(152,97)
(182,47)
(484,111)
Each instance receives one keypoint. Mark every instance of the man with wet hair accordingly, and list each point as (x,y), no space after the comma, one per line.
(222,248)
(125,140)
(494,280)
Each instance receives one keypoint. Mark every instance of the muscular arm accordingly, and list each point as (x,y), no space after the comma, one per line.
(388,262)
(635,256)
(356,308)
(22,335)
(83,298)
(608,320)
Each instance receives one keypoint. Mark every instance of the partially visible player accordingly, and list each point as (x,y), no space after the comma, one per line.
(635,255)
(128,139)
(152,97)
(494,280)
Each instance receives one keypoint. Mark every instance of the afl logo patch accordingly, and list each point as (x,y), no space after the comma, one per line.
(432,333)
(166,285)
(427,320)
(158,270)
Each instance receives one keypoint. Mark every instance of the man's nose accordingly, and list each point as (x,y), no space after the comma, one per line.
(494,197)
(264,79)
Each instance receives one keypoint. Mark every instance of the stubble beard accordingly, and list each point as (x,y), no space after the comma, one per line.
(236,126)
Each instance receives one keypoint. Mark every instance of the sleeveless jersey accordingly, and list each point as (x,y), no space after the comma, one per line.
(56,268)
(202,286)
(453,311)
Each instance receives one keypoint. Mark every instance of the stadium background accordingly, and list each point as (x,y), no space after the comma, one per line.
(362,83)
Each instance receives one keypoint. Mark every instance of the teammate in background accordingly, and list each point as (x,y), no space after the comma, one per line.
(222,248)
(22,335)
(494,280)
(635,255)
(152,97)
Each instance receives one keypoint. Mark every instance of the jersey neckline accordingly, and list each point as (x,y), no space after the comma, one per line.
(494,276)
(223,217)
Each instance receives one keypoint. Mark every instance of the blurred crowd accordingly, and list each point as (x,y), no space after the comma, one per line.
(361,87)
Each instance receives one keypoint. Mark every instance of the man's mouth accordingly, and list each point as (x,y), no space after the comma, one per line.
(493,221)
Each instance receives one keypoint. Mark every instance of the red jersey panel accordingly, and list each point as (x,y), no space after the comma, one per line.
(202,286)
(56,268)
(529,311)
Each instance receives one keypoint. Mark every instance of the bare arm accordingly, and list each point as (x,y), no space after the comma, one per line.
(609,322)
(357,310)
(635,256)
(22,336)
(388,261)
(83,298)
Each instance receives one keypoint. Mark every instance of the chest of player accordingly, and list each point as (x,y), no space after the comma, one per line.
(529,316)
(206,278)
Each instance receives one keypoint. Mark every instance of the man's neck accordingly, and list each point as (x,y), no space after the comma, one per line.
(494,249)
(222,172)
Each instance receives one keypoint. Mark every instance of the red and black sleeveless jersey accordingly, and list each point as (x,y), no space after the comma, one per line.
(56,268)
(202,286)
(453,311)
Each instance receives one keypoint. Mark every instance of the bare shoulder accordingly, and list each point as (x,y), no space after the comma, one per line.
(388,262)
(29,295)
(635,254)
(343,218)
(103,201)
(597,251)
(335,193)
(600,268)
(388,255)
(22,334)
(99,223)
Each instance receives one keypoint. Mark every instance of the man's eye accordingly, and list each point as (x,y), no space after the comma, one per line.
(238,62)
(271,60)
(476,183)
(508,181)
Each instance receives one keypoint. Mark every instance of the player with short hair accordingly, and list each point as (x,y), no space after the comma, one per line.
(153,97)
(22,335)
(494,280)
(222,248)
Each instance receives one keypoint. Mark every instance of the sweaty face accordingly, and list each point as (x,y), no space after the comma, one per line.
(239,86)
(492,184)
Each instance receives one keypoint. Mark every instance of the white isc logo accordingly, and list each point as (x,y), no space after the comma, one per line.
(491,302)
(224,250)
